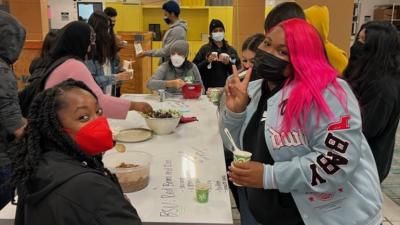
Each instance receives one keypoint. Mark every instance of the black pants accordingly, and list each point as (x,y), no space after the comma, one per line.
(5,191)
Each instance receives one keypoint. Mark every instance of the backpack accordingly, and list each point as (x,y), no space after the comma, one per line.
(37,83)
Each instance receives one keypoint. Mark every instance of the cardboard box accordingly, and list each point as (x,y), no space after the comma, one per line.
(385,13)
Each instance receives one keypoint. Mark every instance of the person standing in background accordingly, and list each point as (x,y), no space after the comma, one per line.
(356,51)
(318,16)
(374,76)
(215,59)
(12,124)
(177,31)
(100,60)
(116,66)
(112,14)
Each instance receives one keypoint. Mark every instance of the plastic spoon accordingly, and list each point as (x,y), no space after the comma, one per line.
(228,134)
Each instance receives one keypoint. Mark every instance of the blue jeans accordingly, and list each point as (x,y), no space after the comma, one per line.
(246,218)
(5,191)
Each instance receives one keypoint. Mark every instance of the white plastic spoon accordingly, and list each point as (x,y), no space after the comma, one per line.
(228,134)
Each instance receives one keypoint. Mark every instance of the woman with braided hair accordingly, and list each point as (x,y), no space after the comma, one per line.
(58,175)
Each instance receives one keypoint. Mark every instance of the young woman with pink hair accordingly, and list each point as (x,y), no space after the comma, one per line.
(310,162)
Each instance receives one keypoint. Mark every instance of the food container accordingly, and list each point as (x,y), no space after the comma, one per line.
(215,94)
(192,91)
(131,168)
(240,156)
(162,126)
(163,122)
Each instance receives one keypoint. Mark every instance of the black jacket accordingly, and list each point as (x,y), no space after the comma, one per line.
(380,110)
(38,66)
(64,191)
(216,76)
(12,36)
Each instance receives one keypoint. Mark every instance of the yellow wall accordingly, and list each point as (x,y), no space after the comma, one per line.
(268,9)
(193,16)
(153,16)
(193,2)
(129,17)
(138,18)
(225,14)
(197,22)
(155,60)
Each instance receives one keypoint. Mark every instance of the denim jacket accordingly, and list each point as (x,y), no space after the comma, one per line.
(96,69)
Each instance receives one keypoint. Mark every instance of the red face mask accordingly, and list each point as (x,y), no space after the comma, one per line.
(95,137)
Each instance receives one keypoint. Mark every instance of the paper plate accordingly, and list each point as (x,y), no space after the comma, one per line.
(134,135)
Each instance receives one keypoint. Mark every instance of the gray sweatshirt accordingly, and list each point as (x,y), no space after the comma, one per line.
(12,36)
(168,72)
(176,31)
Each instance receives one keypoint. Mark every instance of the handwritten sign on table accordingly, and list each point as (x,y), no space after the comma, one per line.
(173,186)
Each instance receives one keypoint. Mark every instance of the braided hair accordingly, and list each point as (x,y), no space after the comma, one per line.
(45,133)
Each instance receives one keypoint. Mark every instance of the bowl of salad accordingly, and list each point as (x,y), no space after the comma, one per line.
(163,122)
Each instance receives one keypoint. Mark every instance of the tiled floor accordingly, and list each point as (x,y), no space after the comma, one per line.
(391,185)
(391,212)
(390,188)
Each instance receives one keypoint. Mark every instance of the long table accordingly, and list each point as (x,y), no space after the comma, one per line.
(192,153)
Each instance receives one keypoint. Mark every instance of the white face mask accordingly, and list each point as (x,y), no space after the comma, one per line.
(218,36)
(177,60)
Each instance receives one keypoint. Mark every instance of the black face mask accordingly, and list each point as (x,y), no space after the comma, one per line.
(269,67)
(356,51)
(167,20)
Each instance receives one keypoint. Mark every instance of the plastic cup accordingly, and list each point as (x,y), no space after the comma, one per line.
(130,71)
(126,64)
(202,192)
(215,94)
(240,156)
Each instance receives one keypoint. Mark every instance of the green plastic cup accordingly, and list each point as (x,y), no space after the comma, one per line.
(214,94)
(240,156)
(202,192)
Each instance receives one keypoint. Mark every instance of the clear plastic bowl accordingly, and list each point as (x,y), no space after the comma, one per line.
(134,178)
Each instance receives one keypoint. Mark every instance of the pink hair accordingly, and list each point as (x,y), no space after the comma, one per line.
(312,74)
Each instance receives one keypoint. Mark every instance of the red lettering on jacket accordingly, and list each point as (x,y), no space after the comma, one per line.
(343,124)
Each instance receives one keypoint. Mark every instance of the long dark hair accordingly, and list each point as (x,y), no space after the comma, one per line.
(45,133)
(353,58)
(106,47)
(72,40)
(48,42)
(252,42)
(380,58)
(40,62)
